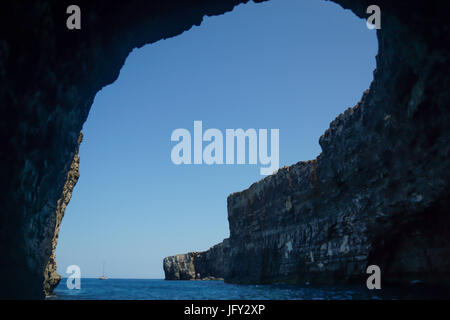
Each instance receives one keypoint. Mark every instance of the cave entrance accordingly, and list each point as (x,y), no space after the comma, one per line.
(288,65)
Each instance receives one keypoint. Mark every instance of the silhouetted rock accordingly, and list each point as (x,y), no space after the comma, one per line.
(49,77)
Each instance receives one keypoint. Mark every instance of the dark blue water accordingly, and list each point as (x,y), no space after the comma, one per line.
(156,289)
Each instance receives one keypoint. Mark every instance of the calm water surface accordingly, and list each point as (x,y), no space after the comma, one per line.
(157,289)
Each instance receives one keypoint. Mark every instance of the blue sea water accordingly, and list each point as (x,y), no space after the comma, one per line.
(158,289)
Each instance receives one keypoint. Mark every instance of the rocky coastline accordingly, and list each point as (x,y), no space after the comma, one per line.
(205,265)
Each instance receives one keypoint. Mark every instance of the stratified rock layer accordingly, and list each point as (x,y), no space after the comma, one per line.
(51,276)
(206,265)
(391,151)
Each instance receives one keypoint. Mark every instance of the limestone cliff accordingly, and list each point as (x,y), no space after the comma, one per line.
(385,161)
(51,276)
(206,265)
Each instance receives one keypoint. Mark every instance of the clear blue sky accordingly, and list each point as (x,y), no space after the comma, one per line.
(287,64)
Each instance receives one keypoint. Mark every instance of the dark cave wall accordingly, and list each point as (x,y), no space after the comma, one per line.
(50,75)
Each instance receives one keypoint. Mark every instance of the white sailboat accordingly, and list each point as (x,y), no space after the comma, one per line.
(103,277)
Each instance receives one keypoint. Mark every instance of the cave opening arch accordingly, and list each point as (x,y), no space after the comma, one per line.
(246,69)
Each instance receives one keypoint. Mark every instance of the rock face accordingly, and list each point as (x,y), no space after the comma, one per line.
(385,160)
(299,225)
(206,265)
(51,276)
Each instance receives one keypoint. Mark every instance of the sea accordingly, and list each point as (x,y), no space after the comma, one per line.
(158,289)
